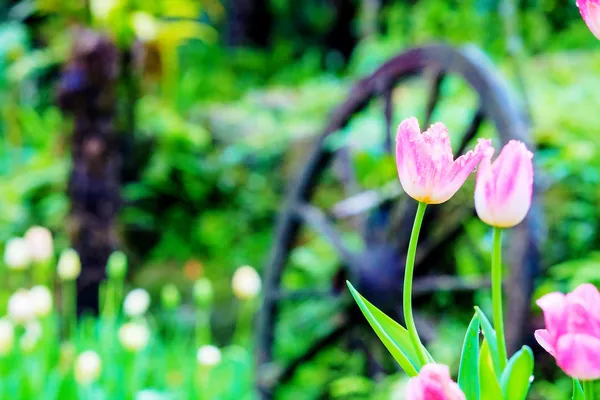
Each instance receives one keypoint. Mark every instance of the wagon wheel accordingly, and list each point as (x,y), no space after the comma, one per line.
(365,222)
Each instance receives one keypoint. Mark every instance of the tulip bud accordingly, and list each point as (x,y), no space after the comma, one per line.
(69,265)
(208,356)
(246,283)
(134,336)
(40,243)
(434,382)
(136,303)
(590,11)
(17,255)
(504,188)
(7,336)
(88,367)
(170,296)
(41,298)
(20,307)
(203,292)
(116,267)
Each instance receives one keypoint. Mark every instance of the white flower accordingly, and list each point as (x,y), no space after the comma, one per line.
(20,307)
(208,356)
(16,254)
(134,336)
(88,367)
(41,297)
(101,9)
(7,336)
(246,283)
(40,243)
(145,26)
(69,265)
(136,303)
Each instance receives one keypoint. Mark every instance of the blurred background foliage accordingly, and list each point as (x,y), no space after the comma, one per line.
(217,111)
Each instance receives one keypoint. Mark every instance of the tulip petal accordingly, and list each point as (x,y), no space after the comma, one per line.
(554,306)
(590,11)
(544,338)
(579,356)
(589,297)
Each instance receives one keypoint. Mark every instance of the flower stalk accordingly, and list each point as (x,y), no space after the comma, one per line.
(588,388)
(497,296)
(408,281)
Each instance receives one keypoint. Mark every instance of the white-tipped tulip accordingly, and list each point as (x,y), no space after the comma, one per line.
(136,303)
(88,367)
(20,307)
(17,255)
(41,297)
(40,243)
(7,336)
(134,336)
(69,265)
(208,356)
(246,283)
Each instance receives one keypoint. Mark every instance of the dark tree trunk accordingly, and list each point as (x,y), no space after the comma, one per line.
(249,22)
(87,92)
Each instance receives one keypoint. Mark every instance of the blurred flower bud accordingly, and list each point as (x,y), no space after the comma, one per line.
(66,356)
(134,336)
(40,243)
(41,297)
(145,26)
(136,303)
(101,9)
(208,356)
(88,367)
(16,254)
(7,336)
(246,283)
(30,339)
(69,265)
(20,307)
(116,267)
(170,296)
(203,292)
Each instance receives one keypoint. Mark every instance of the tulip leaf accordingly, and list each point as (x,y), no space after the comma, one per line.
(393,335)
(490,334)
(490,387)
(468,376)
(577,390)
(516,378)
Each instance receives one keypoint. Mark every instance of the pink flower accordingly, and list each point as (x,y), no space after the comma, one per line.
(426,167)
(433,383)
(572,333)
(503,189)
(590,11)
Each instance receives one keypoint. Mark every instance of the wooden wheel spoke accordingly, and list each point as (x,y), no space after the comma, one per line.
(472,130)
(321,223)
(434,95)
(363,202)
(388,112)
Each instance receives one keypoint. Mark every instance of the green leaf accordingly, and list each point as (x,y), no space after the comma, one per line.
(490,387)
(468,376)
(394,336)
(490,334)
(577,390)
(516,378)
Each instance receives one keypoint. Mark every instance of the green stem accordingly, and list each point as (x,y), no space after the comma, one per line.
(588,387)
(408,281)
(497,296)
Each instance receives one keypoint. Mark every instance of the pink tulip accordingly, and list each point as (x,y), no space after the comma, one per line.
(503,189)
(433,383)
(426,167)
(572,333)
(590,11)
